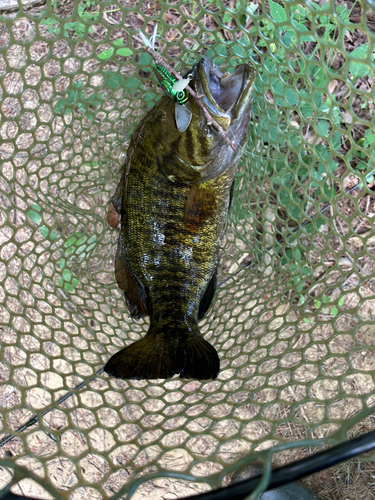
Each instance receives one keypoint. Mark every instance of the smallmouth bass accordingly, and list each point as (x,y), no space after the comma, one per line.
(173,201)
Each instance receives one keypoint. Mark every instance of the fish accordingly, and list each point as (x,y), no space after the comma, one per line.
(171,206)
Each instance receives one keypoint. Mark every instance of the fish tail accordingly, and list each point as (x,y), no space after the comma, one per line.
(164,353)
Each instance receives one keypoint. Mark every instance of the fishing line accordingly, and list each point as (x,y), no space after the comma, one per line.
(35,419)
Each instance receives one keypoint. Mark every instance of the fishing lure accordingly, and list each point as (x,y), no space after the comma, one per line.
(174,86)
(175,90)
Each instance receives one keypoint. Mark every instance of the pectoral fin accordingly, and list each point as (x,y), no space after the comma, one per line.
(200,205)
(114,207)
(113,217)
(135,294)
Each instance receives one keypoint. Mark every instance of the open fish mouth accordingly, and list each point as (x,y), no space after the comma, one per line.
(228,93)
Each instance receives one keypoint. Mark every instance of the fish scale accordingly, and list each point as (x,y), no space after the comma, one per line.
(191,274)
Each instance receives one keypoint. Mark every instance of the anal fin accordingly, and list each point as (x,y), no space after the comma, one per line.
(207,296)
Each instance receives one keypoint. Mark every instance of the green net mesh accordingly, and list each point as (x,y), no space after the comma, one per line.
(293,318)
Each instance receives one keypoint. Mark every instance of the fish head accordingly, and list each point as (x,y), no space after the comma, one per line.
(228,99)
(227,96)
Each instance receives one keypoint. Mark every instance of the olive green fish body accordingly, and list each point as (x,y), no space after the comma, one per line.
(173,203)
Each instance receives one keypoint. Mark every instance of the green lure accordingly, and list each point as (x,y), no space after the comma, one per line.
(166,81)
(180,97)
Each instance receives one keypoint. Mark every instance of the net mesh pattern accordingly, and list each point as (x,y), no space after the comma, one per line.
(293,318)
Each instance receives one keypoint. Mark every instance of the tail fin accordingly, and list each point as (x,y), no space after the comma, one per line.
(162,354)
